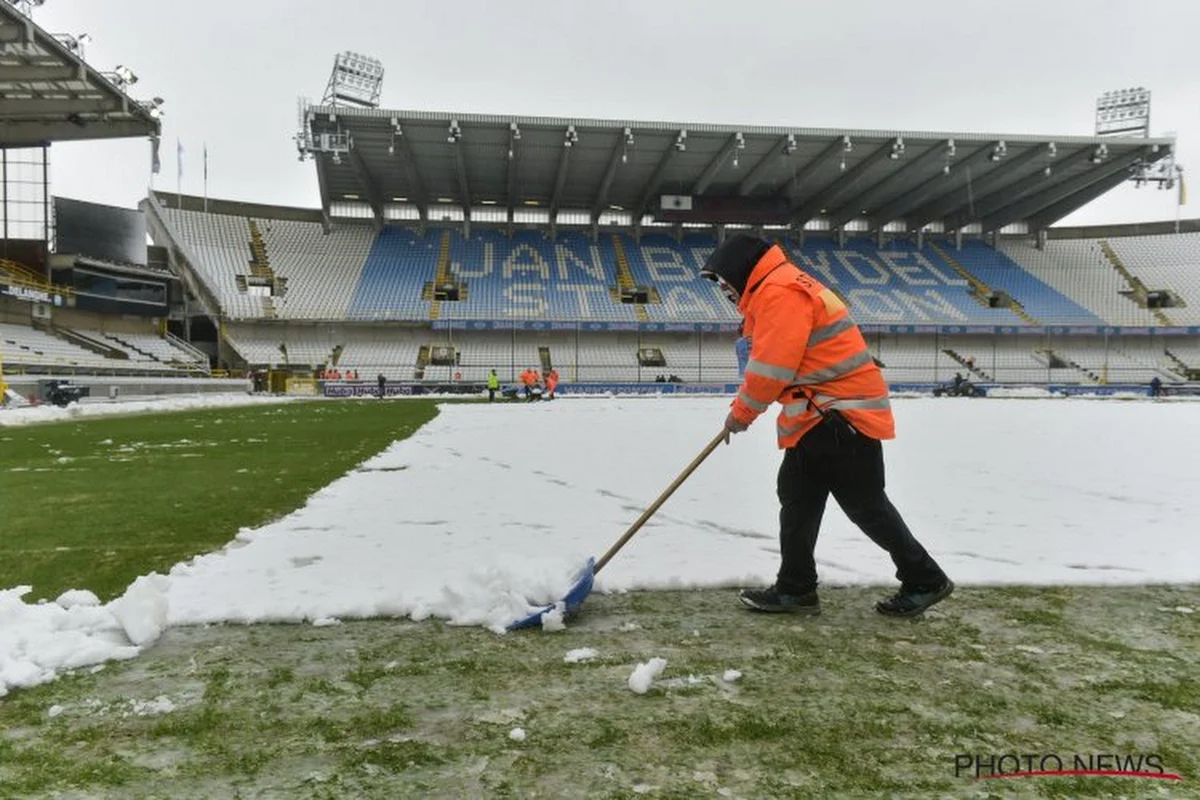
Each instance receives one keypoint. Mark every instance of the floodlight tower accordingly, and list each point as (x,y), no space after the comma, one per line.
(26,7)
(355,80)
(1124,112)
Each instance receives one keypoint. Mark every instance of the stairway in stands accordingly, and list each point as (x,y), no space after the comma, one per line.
(625,281)
(976,370)
(260,267)
(981,291)
(1137,290)
(441,275)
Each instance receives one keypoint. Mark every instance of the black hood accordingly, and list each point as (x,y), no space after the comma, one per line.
(736,258)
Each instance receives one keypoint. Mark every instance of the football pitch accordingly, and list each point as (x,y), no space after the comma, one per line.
(847,704)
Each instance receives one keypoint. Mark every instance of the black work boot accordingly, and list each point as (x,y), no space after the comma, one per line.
(909,602)
(772,601)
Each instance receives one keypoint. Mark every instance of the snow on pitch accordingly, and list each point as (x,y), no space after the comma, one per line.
(489,507)
(30,415)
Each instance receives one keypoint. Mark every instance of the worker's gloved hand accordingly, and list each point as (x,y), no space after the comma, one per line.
(733,425)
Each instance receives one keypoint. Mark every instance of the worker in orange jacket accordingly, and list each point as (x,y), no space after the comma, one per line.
(551,383)
(808,355)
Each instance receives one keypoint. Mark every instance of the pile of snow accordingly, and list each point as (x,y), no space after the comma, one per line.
(517,734)
(581,654)
(39,640)
(30,415)
(1022,392)
(731,675)
(644,675)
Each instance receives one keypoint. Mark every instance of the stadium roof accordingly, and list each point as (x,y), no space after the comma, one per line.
(48,93)
(480,166)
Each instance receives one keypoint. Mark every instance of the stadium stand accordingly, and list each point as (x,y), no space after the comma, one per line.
(320,271)
(74,350)
(571,278)
(1079,268)
(1166,263)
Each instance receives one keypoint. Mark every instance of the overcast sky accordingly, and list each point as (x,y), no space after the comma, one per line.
(231,73)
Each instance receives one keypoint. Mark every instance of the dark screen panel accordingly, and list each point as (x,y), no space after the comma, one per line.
(99,231)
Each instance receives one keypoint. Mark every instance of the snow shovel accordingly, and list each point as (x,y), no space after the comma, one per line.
(581,584)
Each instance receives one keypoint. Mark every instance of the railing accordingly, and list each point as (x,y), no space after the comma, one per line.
(15,274)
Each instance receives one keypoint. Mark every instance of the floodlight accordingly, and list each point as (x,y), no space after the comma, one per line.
(125,74)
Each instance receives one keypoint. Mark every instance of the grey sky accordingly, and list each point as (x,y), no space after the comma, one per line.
(231,73)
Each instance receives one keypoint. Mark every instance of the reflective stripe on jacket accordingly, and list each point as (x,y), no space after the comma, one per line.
(806,350)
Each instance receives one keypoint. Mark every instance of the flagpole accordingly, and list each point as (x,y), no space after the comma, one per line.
(178,174)
(206,177)
(1180,196)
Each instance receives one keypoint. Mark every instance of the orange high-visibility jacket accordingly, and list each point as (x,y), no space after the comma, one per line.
(806,349)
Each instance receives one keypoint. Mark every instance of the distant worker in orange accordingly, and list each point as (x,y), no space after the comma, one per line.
(808,355)
(551,383)
(529,379)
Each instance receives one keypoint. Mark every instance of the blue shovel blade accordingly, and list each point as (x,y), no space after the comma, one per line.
(581,587)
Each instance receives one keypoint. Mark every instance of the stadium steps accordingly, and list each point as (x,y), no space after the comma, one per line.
(625,281)
(1183,368)
(544,357)
(422,362)
(441,275)
(1055,360)
(260,262)
(980,290)
(962,360)
(133,348)
(1137,290)
(84,341)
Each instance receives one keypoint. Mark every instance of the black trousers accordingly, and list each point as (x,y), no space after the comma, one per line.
(831,459)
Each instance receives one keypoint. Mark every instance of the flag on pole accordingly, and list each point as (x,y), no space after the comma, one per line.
(206,177)
(178,173)
(155,164)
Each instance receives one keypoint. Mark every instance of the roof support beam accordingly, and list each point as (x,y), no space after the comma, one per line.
(614,159)
(16,108)
(964,194)
(44,74)
(560,180)
(464,188)
(714,166)
(1053,213)
(756,173)
(788,188)
(810,207)
(1055,194)
(656,178)
(907,201)
(417,192)
(1012,192)
(863,200)
(323,184)
(21,32)
(368,185)
(514,166)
